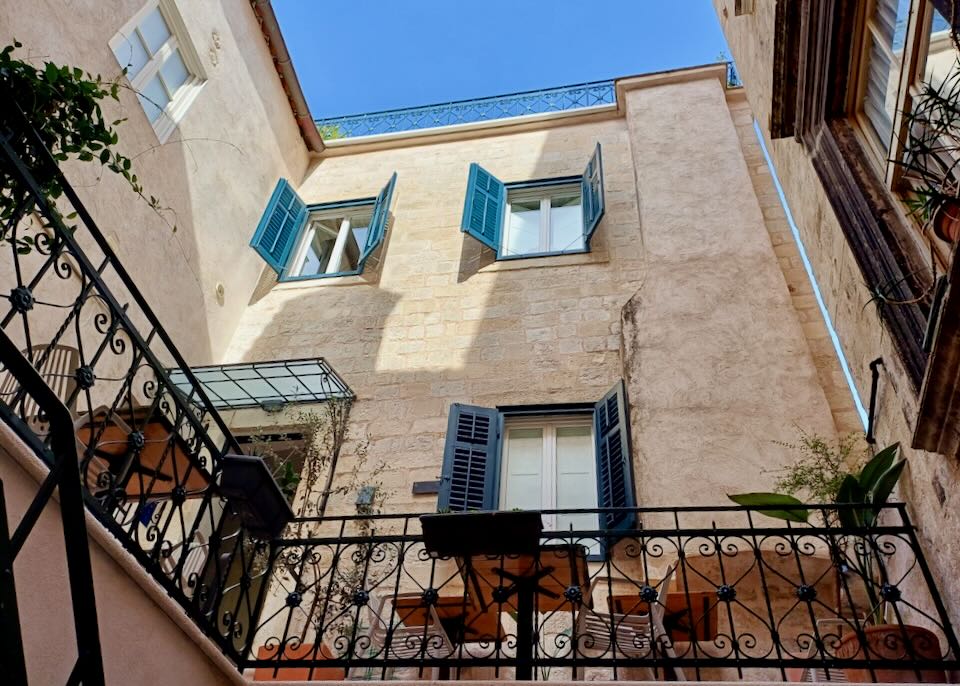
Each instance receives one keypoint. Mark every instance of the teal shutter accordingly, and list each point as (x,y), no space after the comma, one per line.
(285,216)
(592,201)
(614,469)
(378,223)
(471,460)
(484,207)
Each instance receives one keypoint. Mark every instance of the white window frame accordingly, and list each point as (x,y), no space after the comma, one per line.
(298,255)
(184,96)
(545,194)
(548,481)
(882,153)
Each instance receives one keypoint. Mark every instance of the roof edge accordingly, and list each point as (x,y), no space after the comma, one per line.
(270,28)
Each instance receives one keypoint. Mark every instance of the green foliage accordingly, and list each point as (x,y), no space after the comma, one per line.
(824,473)
(62,104)
(821,467)
(330,132)
(789,508)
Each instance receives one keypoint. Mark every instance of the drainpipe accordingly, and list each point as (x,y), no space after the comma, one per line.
(874,383)
(288,77)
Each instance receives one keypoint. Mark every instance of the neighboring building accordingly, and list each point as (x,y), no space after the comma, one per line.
(584,300)
(829,83)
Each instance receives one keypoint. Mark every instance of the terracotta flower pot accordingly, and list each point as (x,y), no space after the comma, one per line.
(303,651)
(946,221)
(893,642)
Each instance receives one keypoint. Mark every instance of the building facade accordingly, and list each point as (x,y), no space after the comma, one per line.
(836,138)
(595,312)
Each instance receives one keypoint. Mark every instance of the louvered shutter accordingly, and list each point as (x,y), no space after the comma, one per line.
(484,207)
(614,469)
(378,223)
(285,216)
(471,460)
(592,202)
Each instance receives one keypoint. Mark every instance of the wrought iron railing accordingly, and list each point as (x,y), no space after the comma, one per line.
(150,452)
(560,99)
(695,593)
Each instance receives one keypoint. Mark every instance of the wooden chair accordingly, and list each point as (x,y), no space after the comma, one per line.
(194,562)
(394,636)
(634,635)
(58,371)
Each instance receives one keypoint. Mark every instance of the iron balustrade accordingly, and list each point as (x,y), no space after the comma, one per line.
(491,108)
(583,95)
(749,597)
(149,451)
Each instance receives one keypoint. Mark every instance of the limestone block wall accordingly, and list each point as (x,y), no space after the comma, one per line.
(929,484)
(682,295)
(214,173)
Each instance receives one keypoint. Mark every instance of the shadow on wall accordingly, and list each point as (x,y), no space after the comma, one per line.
(445,324)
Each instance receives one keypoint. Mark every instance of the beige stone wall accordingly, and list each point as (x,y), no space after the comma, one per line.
(717,362)
(215,172)
(929,484)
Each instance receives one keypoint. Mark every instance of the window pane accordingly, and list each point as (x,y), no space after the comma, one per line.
(153,98)
(174,72)
(318,251)
(523,234)
(887,34)
(576,481)
(154,30)
(355,240)
(523,463)
(941,59)
(566,223)
(131,55)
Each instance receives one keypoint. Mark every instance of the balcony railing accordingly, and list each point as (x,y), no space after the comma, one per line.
(150,450)
(689,593)
(542,101)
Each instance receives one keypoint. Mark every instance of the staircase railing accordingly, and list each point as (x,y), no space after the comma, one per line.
(149,451)
(63,478)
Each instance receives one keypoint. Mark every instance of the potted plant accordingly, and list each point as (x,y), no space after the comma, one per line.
(932,153)
(860,495)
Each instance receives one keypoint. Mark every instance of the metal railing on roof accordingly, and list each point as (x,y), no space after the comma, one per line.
(542,101)
(267,385)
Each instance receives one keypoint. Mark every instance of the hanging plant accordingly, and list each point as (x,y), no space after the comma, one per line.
(62,105)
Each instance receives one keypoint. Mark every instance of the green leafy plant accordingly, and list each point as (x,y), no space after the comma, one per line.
(860,497)
(63,105)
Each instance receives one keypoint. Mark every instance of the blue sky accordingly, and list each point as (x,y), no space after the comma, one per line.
(357,56)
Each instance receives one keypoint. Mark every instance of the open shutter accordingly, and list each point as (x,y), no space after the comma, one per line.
(280,225)
(471,460)
(484,207)
(378,223)
(614,470)
(592,202)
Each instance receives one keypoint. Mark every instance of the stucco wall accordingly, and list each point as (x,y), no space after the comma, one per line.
(717,364)
(215,172)
(929,484)
(141,643)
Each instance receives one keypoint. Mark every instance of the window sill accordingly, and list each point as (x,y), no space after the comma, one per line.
(561,260)
(313,282)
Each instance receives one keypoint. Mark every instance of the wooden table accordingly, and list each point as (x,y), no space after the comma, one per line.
(154,468)
(547,580)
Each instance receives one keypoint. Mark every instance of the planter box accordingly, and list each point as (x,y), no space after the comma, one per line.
(462,534)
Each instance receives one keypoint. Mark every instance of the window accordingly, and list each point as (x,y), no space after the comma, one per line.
(546,461)
(541,459)
(534,218)
(335,239)
(905,43)
(162,66)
